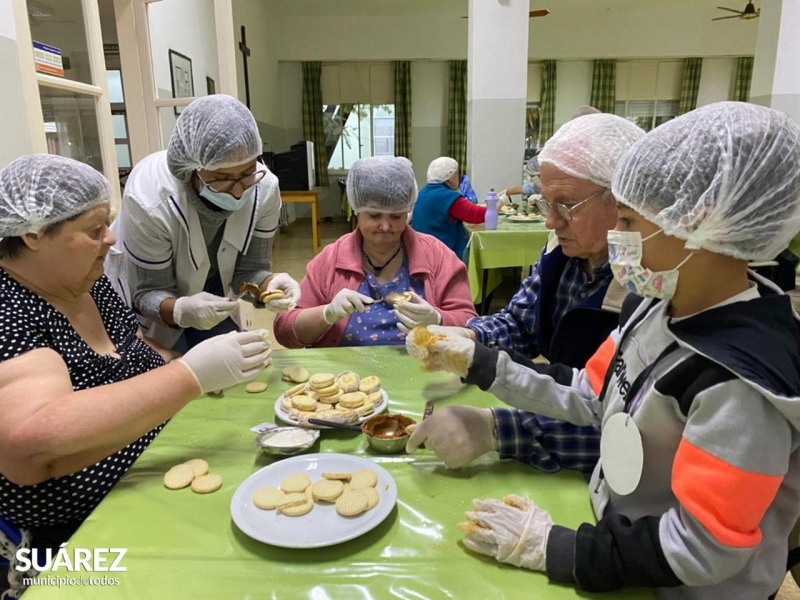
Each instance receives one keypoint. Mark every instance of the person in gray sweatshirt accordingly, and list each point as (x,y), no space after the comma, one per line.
(697,392)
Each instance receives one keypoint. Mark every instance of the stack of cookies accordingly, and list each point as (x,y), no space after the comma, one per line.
(352,493)
(343,398)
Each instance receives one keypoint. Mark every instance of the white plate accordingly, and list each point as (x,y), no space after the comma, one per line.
(320,527)
(286,417)
(521,219)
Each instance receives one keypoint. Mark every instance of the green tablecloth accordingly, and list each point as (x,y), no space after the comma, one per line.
(184,545)
(510,245)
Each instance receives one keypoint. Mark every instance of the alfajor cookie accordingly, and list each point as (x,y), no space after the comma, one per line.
(205,484)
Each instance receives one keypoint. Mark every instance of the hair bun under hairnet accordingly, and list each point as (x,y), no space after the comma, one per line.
(44,189)
(724,177)
(381,184)
(213,132)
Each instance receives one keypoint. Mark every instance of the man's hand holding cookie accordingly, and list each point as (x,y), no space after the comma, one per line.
(442,348)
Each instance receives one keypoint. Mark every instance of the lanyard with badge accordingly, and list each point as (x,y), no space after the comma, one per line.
(621,449)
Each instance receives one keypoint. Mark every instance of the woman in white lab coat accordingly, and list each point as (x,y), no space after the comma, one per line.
(197,221)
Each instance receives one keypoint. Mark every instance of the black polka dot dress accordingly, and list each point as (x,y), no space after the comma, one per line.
(28,322)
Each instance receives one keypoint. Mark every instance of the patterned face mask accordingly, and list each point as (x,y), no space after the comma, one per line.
(625,258)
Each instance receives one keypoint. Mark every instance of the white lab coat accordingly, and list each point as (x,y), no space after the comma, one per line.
(157,227)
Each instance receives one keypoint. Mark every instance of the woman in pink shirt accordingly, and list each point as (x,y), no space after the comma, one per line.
(343,294)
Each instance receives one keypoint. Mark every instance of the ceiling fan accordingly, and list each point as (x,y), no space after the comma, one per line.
(534,13)
(749,12)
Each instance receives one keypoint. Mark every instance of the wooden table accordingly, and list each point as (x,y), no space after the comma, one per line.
(310,197)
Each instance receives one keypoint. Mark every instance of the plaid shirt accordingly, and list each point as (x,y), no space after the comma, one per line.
(544,443)
(515,326)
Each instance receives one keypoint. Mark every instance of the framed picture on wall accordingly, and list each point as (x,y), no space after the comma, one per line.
(180,68)
(211,87)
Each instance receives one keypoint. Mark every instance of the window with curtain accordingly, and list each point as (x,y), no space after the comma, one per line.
(356,131)
(648,92)
(358,111)
(744,75)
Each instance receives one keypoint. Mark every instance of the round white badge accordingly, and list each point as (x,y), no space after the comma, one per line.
(621,453)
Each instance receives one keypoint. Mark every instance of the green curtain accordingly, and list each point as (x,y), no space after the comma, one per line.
(547,121)
(744,75)
(604,85)
(457,113)
(692,67)
(313,129)
(402,109)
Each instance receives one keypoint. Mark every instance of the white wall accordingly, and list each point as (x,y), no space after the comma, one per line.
(573,88)
(428,115)
(186,26)
(14,129)
(575,29)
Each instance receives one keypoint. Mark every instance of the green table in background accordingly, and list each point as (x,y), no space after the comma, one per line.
(510,245)
(185,545)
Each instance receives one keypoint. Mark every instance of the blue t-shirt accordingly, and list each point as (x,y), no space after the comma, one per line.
(377,325)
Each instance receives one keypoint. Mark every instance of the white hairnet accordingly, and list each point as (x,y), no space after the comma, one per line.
(381,184)
(589,147)
(583,110)
(441,169)
(725,177)
(213,132)
(43,189)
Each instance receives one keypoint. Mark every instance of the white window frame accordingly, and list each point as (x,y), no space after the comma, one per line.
(97,90)
(136,59)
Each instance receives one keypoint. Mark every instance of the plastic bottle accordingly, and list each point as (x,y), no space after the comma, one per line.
(490,221)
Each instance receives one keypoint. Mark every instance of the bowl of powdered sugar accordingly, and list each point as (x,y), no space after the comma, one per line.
(286,441)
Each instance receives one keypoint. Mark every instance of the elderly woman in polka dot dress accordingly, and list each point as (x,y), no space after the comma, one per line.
(81,393)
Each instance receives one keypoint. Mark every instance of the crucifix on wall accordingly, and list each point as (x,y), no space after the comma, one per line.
(245,53)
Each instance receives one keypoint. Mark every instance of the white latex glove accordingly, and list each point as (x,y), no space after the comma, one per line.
(456,434)
(450,349)
(344,304)
(513,531)
(225,360)
(416,311)
(503,199)
(202,310)
(290,289)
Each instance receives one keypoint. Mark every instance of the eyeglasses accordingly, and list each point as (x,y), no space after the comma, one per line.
(562,210)
(226,185)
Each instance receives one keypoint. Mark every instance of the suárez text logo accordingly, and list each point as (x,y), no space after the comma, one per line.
(99,560)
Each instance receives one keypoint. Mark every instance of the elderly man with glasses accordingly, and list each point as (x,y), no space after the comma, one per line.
(571,303)
(197,222)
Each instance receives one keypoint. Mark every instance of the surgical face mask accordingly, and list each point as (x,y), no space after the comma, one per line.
(625,258)
(226,201)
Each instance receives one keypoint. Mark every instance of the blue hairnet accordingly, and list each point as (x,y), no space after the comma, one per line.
(213,132)
(44,189)
(725,177)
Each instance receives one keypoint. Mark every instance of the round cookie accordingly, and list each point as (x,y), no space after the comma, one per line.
(373,497)
(327,490)
(364,478)
(295,373)
(298,510)
(348,381)
(337,475)
(178,477)
(352,399)
(351,503)
(295,483)
(271,295)
(198,465)
(301,402)
(334,399)
(255,387)
(370,385)
(293,391)
(321,380)
(268,498)
(205,484)
(293,499)
(374,397)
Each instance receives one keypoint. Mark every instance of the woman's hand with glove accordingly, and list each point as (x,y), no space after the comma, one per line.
(456,434)
(202,310)
(414,312)
(291,292)
(225,360)
(344,304)
(514,531)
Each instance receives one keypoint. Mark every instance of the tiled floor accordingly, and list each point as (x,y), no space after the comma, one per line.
(291,253)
